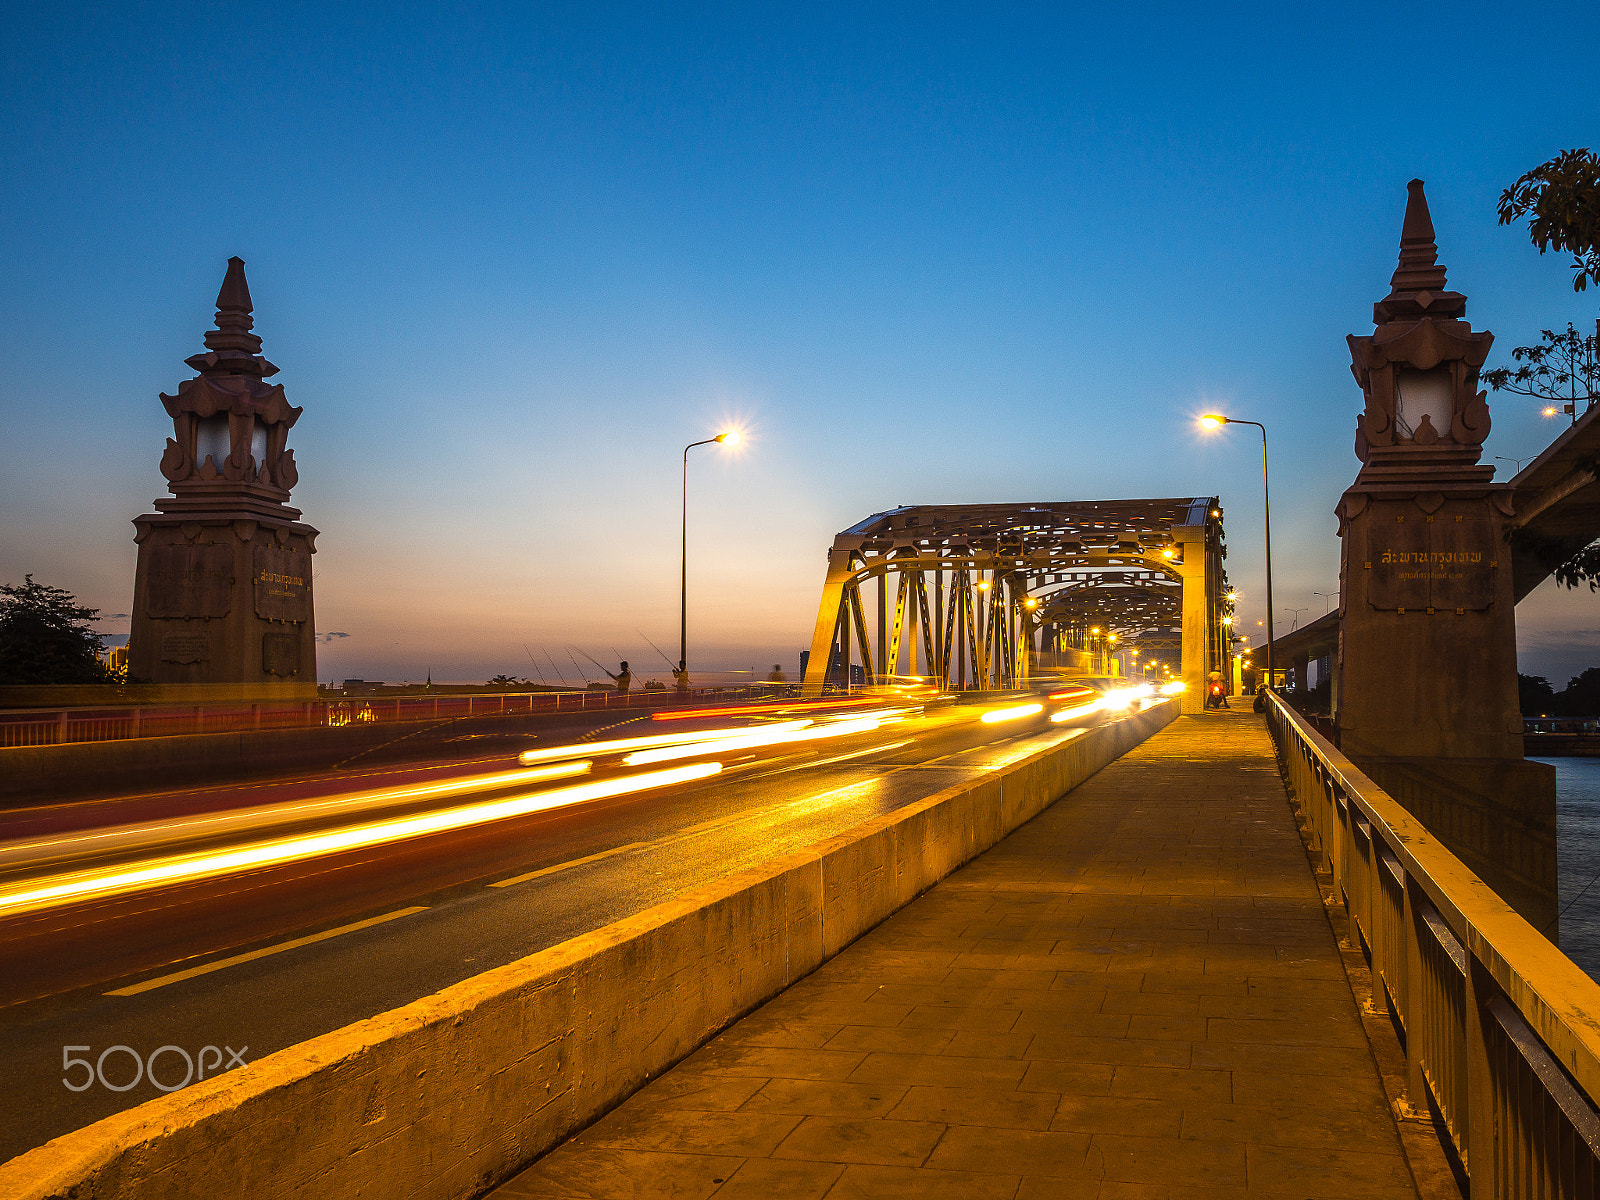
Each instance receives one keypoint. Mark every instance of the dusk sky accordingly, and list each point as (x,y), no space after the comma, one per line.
(511,259)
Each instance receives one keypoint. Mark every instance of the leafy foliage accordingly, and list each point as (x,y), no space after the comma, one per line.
(1582,695)
(1580,698)
(1535,695)
(45,637)
(1564,369)
(1561,199)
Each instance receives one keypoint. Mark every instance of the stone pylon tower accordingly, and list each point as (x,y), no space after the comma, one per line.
(222,598)
(1428,642)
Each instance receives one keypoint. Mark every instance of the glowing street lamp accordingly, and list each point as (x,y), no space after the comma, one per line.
(729,438)
(1217,421)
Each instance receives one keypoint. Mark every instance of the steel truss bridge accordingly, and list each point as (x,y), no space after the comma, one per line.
(987,596)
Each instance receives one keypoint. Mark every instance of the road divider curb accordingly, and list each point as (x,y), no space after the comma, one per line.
(450,1095)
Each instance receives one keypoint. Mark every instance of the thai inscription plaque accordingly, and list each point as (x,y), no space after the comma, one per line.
(185,648)
(190,581)
(280,654)
(283,584)
(1444,563)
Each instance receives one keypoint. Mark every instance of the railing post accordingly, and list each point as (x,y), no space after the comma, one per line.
(1416,1100)
(1480,1120)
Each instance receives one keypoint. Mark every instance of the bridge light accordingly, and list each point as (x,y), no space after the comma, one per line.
(1030,602)
(1233,595)
(730,438)
(1549,410)
(1227,620)
(983,585)
(1169,552)
(1213,421)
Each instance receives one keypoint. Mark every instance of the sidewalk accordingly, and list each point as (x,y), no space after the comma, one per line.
(1137,994)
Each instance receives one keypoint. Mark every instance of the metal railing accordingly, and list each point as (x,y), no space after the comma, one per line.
(1501,1030)
(50,727)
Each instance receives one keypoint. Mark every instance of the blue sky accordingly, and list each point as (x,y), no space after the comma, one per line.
(512,258)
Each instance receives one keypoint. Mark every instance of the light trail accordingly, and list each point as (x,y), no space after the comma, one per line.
(745,740)
(1012,712)
(592,749)
(243,820)
(771,706)
(186,868)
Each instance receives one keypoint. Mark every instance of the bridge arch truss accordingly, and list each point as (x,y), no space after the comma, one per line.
(989,596)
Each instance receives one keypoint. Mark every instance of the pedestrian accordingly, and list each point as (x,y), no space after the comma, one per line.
(777,675)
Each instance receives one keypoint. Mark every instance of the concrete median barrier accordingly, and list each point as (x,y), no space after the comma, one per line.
(452,1094)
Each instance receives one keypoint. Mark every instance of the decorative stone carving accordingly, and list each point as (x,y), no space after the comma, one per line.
(1423,343)
(226,549)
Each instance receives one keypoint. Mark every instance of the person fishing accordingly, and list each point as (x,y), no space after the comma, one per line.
(777,675)
(680,680)
(623,678)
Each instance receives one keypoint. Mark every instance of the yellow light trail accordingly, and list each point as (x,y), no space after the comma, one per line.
(746,740)
(239,820)
(592,749)
(186,868)
(1013,712)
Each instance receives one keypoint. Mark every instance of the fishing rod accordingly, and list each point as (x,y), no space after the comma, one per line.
(555,670)
(670,664)
(596,661)
(536,665)
(576,667)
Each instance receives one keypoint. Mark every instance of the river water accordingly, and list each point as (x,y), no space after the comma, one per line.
(1578,855)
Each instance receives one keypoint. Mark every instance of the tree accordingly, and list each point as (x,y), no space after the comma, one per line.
(1582,695)
(1561,199)
(1564,371)
(45,637)
(1535,695)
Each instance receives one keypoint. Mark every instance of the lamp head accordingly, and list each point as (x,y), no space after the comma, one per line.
(730,438)
(1213,421)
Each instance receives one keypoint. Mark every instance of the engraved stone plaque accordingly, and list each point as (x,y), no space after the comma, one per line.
(190,581)
(1463,562)
(185,648)
(283,584)
(1397,552)
(1443,563)
(280,654)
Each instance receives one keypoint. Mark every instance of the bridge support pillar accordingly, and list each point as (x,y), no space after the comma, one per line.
(1194,569)
(828,622)
(1427,666)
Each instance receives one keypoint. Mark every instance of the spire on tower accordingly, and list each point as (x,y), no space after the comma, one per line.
(1418,285)
(234,350)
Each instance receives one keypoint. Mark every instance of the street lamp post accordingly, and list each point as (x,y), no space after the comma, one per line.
(1216,421)
(730,437)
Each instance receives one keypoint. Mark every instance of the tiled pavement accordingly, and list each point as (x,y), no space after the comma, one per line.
(1135,995)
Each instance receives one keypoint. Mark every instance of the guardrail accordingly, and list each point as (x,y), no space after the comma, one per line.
(50,727)
(1501,1030)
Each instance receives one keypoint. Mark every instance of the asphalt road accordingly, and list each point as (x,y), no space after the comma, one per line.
(253,962)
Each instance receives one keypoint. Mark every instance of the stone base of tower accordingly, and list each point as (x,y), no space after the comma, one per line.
(222,606)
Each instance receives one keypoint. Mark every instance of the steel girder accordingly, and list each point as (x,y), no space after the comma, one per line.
(967,596)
